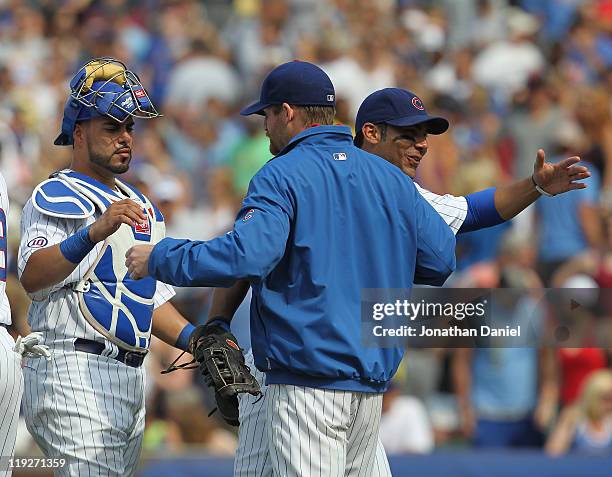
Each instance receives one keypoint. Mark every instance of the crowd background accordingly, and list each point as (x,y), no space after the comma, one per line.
(511,76)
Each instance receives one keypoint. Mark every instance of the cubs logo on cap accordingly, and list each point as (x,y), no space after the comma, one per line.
(417,103)
(397,107)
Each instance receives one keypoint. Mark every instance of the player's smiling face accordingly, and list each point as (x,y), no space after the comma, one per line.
(109,143)
(404,147)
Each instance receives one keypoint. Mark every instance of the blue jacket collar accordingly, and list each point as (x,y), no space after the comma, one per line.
(316,130)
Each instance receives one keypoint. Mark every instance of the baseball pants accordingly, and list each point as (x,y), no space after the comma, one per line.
(253,454)
(11,389)
(87,409)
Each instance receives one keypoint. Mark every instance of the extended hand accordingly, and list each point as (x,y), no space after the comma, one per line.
(121,212)
(137,261)
(560,177)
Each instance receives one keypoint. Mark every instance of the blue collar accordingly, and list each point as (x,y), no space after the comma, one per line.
(316,130)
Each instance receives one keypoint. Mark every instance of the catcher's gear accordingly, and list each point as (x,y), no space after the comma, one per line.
(104,87)
(222,364)
(29,346)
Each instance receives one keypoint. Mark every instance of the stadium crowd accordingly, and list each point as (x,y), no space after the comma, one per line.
(511,76)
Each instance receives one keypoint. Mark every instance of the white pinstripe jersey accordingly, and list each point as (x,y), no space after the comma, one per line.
(5,307)
(55,310)
(452,209)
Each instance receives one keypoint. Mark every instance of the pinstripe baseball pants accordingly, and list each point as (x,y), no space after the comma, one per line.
(321,432)
(11,388)
(87,409)
(253,454)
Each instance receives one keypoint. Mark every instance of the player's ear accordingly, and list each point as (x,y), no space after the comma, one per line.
(371,133)
(288,111)
(78,134)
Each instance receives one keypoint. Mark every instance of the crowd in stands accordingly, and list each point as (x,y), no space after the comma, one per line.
(511,77)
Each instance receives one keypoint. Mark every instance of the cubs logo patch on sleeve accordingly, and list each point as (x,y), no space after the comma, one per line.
(248,215)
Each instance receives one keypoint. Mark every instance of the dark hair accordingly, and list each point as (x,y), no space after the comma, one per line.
(324,115)
(383,134)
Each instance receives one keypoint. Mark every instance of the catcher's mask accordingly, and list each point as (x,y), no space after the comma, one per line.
(104,87)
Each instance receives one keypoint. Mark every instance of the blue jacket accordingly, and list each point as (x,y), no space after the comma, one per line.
(320,222)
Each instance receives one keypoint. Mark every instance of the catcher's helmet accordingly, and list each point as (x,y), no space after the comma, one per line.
(104,87)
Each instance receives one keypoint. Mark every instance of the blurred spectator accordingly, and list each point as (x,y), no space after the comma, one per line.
(534,124)
(489,25)
(450,75)
(507,396)
(568,224)
(592,269)
(404,425)
(185,408)
(587,426)
(202,75)
(213,218)
(588,49)
(504,66)
(262,40)
(350,78)
(595,264)
(249,154)
(557,15)
(575,365)
(592,111)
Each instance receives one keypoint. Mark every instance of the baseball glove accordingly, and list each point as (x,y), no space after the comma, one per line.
(221,362)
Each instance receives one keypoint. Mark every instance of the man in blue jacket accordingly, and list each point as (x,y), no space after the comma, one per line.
(394,124)
(320,222)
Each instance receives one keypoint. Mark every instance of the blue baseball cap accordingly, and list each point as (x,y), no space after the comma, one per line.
(397,107)
(297,82)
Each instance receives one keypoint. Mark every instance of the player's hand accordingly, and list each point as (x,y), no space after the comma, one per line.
(137,261)
(121,212)
(30,346)
(560,177)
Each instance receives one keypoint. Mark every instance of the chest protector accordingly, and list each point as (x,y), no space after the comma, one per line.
(117,306)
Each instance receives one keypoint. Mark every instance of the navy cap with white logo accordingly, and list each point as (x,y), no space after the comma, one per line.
(297,82)
(397,107)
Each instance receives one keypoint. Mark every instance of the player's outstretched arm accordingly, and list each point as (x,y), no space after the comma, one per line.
(250,251)
(51,265)
(550,178)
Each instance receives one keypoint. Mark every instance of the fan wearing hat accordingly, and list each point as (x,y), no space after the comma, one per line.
(394,124)
(95,320)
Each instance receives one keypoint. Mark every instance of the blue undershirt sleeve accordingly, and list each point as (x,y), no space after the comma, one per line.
(481,211)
